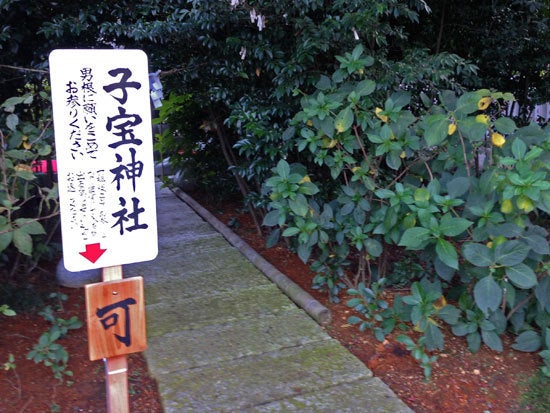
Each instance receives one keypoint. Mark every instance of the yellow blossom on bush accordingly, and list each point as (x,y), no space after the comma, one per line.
(383,118)
(525,204)
(451,129)
(484,103)
(23,167)
(497,139)
(329,143)
(506,207)
(305,179)
(482,119)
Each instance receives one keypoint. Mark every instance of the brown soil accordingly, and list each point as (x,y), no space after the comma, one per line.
(32,388)
(461,381)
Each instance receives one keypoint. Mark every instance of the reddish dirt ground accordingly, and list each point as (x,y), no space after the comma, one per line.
(461,381)
(32,388)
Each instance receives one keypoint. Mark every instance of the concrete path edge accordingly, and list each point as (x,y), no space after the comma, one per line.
(303,299)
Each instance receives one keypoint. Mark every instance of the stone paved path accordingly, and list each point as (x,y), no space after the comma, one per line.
(222,337)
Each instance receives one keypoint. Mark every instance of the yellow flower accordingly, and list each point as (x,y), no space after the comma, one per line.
(309,123)
(497,139)
(440,303)
(484,103)
(451,129)
(383,118)
(482,119)
(506,207)
(305,179)
(403,155)
(525,203)
(355,169)
(23,167)
(329,143)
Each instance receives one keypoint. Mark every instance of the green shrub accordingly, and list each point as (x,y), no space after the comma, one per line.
(452,179)
(26,203)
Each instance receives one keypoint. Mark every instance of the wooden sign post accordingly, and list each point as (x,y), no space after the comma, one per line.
(116,327)
(104,149)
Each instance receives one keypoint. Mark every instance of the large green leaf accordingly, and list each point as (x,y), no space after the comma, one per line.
(443,270)
(283,169)
(487,294)
(414,238)
(542,292)
(472,129)
(521,276)
(30,226)
(505,125)
(450,314)
(299,205)
(373,247)
(23,241)
(271,218)
(436,131)
(478,254)
(344,120)
(492,340)
(291,231)
(466,104)
(452,227)
(510,253)
(527,341)
(447,253)
(537,243)
(434,338)
(458,186)
(365,87)
(6,237)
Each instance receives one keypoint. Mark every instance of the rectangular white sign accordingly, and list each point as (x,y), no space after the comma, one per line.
(104,147)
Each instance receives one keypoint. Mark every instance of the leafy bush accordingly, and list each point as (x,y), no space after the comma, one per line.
(25,201)
(451,178)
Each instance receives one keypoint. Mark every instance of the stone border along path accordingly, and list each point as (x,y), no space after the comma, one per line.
(223,337)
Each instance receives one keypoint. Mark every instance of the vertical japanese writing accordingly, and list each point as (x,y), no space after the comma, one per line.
(89,111)
(86,192)
(127,169)
(73,103)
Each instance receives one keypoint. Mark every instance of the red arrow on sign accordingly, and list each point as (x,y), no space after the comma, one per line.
(93,252)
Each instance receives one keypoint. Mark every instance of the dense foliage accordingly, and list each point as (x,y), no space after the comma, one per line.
(353,131)
(454,180)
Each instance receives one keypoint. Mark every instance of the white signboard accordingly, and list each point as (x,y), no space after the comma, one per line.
(103,139)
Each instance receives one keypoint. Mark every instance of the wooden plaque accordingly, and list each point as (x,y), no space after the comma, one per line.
(115,314)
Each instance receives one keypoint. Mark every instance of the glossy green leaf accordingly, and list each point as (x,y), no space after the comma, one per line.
(23,241)
(510,253)
(299,205)
(447,253)
(414,238)
(542,292)
(521,276)
(505,125)
(344,120)
(478,254)
(452,227)
(30,226)
(492,340)
(528,341)
(487,294)
(437,129)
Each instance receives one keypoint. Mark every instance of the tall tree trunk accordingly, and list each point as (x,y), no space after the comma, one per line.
(441,26)
(231,162)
